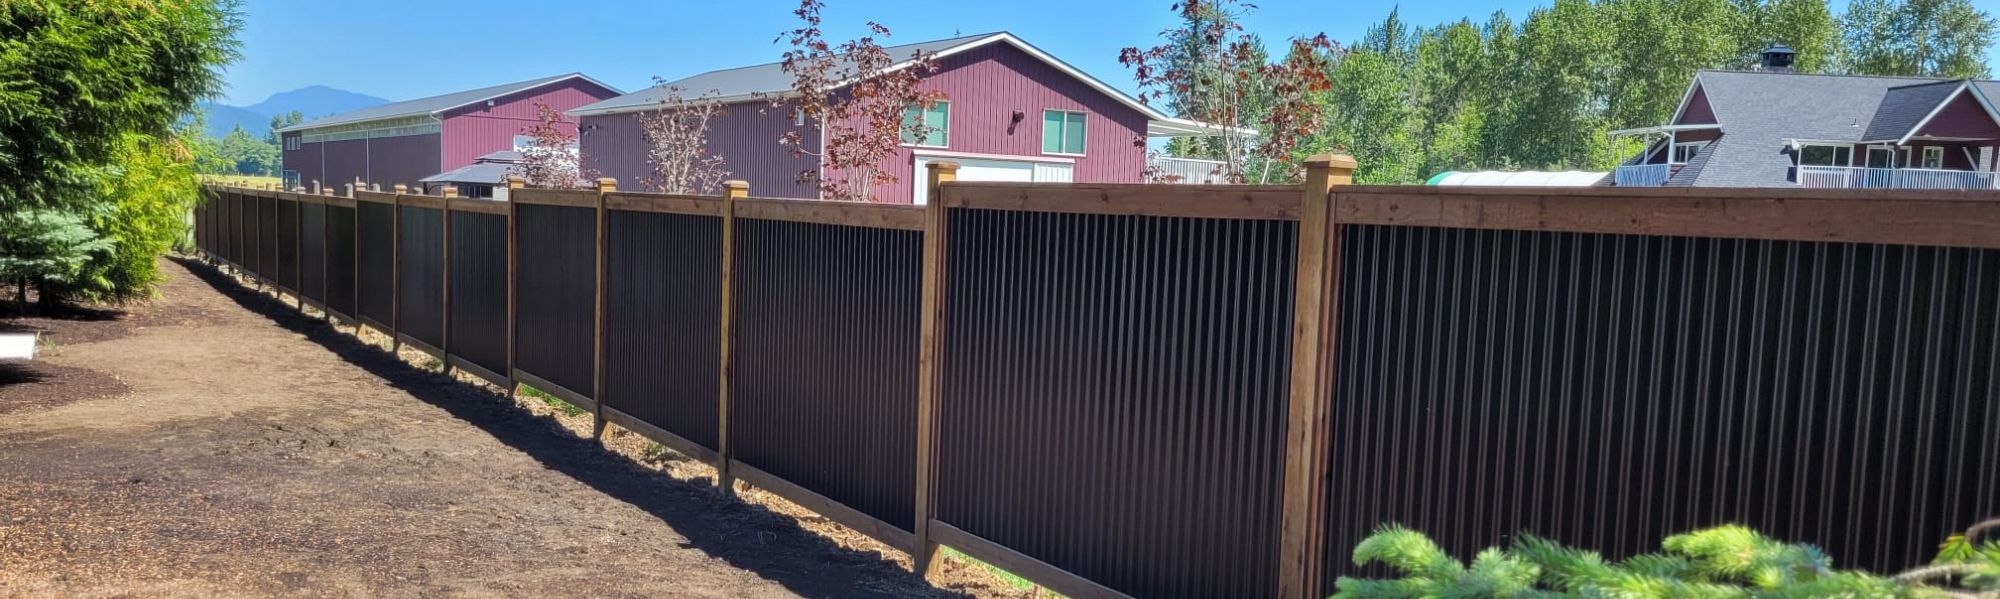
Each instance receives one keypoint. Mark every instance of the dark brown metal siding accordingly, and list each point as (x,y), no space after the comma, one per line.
(555,294)
(1114,392)
(312,251)
(479,289)
(662,329)
(420,280)
(377,270)
(1607,391)
(824,365)
(340,259)
(288,244)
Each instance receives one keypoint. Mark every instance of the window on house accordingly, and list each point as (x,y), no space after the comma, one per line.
(1881,157)
(1062,132)
(292,143)
(935,122)
(1684,152)
(799,117)
(522,142)
(1826,155)
(1933,157)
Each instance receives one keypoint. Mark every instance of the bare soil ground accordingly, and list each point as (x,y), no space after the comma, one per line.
(215,442)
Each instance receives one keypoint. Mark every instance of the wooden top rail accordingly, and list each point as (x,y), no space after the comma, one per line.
(422,201)
(379,197)
(574,198)
(1258,202)
(827,212)
(479,205)
(1901,217)
(664,203)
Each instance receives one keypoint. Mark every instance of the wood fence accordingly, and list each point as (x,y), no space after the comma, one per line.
(1205,391)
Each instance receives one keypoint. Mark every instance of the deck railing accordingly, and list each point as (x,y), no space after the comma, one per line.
(1186,171)
(1642,175)
(1843,177)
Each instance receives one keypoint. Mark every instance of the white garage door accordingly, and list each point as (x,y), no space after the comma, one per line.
(982,169)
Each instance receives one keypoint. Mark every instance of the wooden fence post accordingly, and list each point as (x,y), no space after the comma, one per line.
(924,552)
(731,192)
(514,185)
(298,254)
(1315,318)
(450,192)
(395,269)
(605,186)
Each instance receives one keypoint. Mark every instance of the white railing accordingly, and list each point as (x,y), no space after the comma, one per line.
(1642,175)
(1843,177)
(1187,170)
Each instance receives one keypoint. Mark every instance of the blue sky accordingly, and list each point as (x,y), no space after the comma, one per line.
(404,49)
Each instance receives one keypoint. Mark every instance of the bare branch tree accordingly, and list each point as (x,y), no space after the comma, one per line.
(856,94)
(550,160)
(677,144)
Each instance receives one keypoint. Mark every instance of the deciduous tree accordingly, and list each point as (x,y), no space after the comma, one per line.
(857,96)
(550,158)
(677,144)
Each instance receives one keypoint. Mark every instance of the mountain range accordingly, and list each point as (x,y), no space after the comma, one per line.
(313,101)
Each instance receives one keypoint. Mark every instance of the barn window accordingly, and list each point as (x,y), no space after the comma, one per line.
(934,122)
(1062,132)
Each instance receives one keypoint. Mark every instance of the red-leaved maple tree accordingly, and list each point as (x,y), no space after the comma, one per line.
(1210,71)
(549,160)
(855,94)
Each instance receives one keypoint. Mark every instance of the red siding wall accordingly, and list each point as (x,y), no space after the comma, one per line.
(345,161)
(402,159)
(305,160)
(476,131)
(1698,111)
(1963,117)
(985,85)
(746,137)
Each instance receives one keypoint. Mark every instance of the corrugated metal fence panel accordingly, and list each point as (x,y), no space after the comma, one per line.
(267,238)
(555,294)
(479,289)
(824,385)
(1607,391)
(340,259)
(420,278)
(312,251)
(1114,392)
(376,272)
(662,330)
(288,244)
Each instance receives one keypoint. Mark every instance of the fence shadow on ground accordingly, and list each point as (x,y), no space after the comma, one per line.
(744,535)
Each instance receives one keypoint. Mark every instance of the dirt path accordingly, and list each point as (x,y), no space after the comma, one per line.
(216,443)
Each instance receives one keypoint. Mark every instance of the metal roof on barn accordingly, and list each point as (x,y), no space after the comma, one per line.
(439,103)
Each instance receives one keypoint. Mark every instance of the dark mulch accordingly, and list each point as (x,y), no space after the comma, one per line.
(37,385)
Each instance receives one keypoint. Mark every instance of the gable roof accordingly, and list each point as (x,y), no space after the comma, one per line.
(1761,114)
(439,103)
(767,80)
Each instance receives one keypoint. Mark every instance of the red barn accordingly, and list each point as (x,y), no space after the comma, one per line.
(1013,113)
(403,142)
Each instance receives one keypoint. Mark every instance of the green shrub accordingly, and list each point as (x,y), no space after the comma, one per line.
(1726,561)
(554,402)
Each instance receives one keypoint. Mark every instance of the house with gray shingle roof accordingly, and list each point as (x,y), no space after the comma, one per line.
(1775,128)
(405,142)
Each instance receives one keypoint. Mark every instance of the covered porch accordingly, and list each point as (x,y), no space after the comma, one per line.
(1668,147)
(1916,163)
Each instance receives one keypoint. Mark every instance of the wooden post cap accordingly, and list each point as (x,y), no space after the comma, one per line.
(945,166)
(315,186)
(606,185)
(516,181)
(401,188)
(735,189)
(1330,169)
(350,190)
